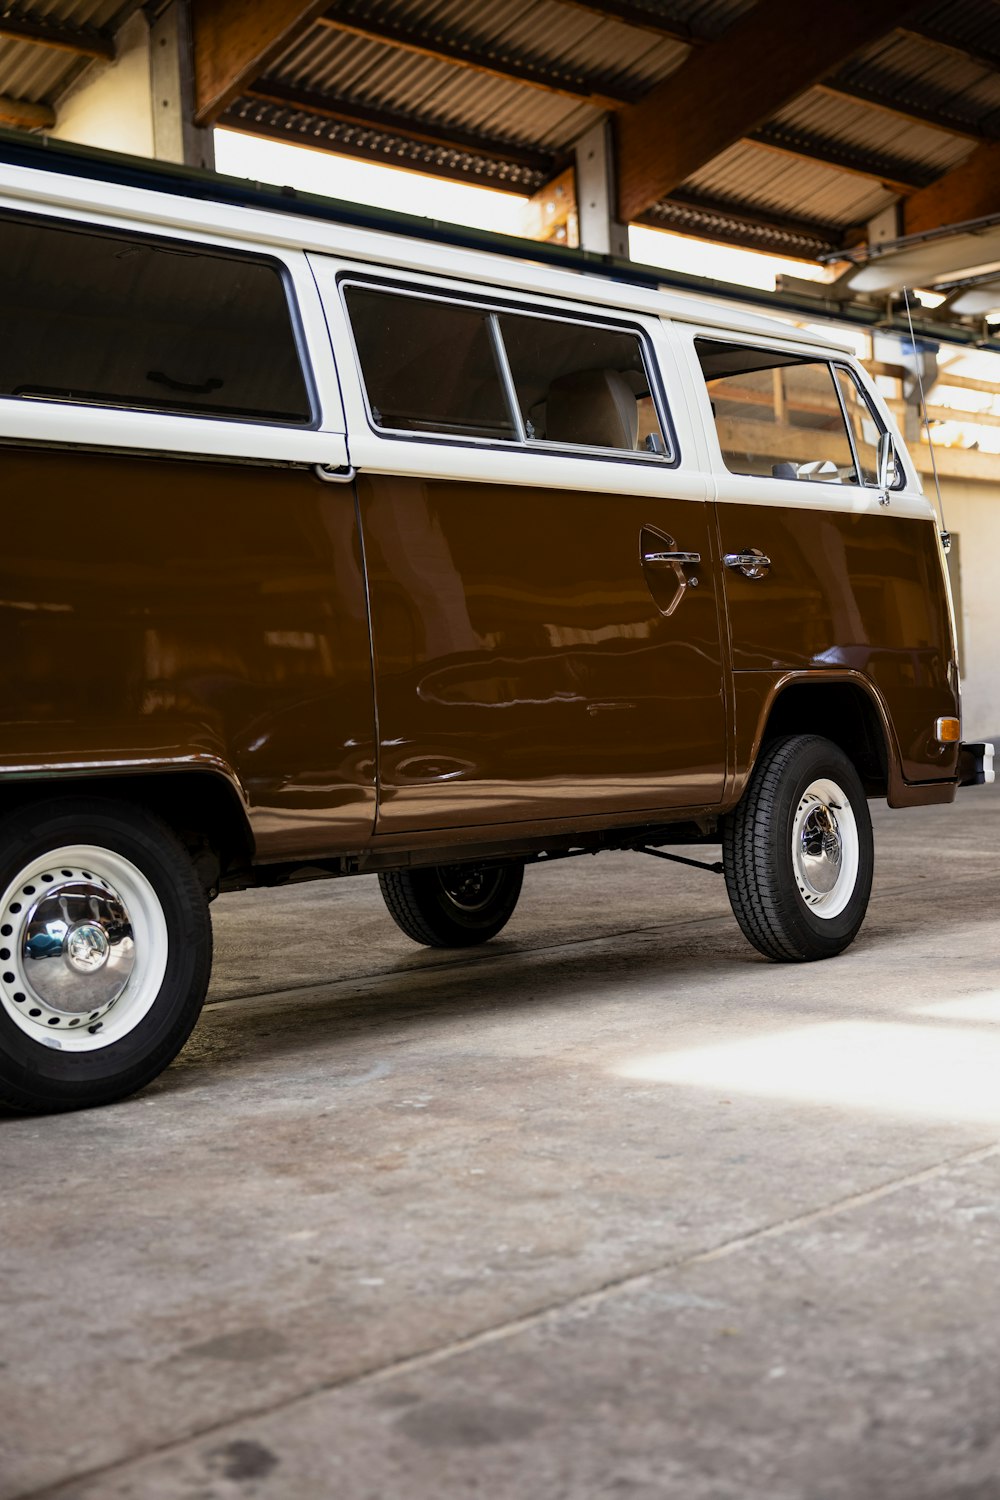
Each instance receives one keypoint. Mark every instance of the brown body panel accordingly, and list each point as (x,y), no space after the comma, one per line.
(530,665)
(161,612)
(857,596)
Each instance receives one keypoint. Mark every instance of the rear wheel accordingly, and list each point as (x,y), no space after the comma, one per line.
(105,952)
(798,852)
(452,906)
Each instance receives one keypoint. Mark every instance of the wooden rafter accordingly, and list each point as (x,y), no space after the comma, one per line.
(235,40)
(730,88)
(647,19)
(933,31)
(24,115)
(969,191)
(490,60)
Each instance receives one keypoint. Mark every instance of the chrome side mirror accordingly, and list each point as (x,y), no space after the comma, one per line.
(886,466)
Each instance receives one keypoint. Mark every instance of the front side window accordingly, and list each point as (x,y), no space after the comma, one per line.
(778,415)
(436,367)
(108,319)
(865,428)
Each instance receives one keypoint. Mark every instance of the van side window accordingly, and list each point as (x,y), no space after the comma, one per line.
(108,319)
(580,384)
(777,414)
(429,366)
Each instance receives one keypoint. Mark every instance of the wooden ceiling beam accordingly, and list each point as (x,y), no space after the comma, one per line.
(235,40)
(61,36)
(730,88)
(24,115)
(480,59)
(329,107)
(969,191)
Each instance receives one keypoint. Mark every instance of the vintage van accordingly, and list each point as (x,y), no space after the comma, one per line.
(329,550)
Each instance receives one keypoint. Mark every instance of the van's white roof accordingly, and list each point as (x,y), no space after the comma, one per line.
(265,228)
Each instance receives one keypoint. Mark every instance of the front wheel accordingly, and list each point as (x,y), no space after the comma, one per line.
(452,906)
(798,852)
(105,952)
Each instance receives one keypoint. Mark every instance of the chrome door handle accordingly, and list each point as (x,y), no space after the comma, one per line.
(751,562)
(671,557)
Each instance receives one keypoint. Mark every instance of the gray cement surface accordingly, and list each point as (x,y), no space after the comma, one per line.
(611,1208)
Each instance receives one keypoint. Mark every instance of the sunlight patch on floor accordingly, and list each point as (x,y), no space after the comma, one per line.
(935,1072)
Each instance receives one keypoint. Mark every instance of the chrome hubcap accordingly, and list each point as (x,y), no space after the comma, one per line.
(83,948)
(825,848)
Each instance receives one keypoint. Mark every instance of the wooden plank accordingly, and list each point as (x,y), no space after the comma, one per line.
(728,89)
(969,191)
(235,40)
(25,115)
(491,61)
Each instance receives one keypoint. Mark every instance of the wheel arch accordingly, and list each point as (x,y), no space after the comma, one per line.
(203,807)
(843,710)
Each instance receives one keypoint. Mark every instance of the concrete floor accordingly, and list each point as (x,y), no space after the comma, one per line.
(611,1210)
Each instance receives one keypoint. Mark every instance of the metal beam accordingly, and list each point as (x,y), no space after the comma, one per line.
(889,94)
(329,107)
(723,92)
(62,36)
(434,41)
(24,115)
(235,40)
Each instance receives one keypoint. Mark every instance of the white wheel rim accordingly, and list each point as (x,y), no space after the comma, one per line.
(825,848)
(83,948)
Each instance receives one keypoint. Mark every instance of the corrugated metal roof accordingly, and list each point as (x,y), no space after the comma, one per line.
(919,72)
(802,189)
(853,124)
(36,73)
(442,94)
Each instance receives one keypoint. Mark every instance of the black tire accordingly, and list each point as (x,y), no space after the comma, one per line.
(163,975)
(772,894)
(452,906)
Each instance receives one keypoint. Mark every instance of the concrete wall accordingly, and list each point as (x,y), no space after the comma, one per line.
(111,106)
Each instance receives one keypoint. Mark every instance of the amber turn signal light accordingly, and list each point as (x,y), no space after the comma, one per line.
(947,731)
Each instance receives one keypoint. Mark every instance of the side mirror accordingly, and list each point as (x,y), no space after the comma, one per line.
(886,466)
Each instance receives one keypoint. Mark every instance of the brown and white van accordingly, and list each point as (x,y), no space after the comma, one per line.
(330,551)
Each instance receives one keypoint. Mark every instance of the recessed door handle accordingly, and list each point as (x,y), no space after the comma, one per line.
(751,562)
(671,557)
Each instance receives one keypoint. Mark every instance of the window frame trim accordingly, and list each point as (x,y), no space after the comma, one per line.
(900,481)
(494,308)
(72,225)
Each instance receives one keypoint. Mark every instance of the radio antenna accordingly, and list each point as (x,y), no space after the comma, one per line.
(945,533)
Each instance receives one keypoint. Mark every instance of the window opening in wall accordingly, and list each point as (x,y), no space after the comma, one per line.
(105,319)
(783,415)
